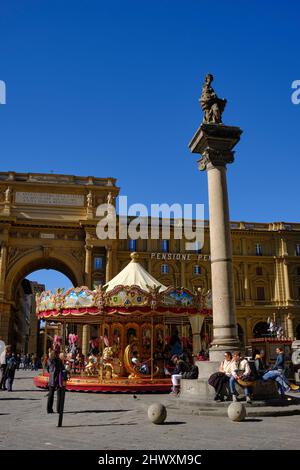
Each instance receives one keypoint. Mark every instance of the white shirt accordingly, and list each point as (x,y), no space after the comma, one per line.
(3,358)
(241,367)
(226,367)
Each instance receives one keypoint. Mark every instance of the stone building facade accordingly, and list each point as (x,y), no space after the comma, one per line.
(49,221)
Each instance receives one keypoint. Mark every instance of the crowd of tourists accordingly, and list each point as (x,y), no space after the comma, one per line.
(236,369)
(11,362)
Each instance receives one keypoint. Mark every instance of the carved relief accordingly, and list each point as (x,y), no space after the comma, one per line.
(79,254)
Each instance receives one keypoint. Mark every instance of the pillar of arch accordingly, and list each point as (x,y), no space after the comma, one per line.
(25,265)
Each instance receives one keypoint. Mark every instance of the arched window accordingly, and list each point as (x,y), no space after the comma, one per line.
(164,269)
(197,269)
(132,245)
(165,246)
(258,249)
(261,330)
(260,293)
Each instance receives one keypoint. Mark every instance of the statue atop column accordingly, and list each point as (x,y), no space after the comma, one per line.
(211,105)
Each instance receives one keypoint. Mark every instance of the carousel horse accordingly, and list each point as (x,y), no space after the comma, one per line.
(91,367)
(108,363)
(134,371)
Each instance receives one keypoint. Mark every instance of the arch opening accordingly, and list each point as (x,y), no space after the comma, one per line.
(261,330)
(25,331)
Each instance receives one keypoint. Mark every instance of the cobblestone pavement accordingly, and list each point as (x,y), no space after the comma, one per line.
(119,421)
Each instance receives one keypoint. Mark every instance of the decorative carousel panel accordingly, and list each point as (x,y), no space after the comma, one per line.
(117,337)
(78,298)
(132,333)
(126,297)
(159,335)
(208,300)
(177,297)
(45,301)
(146,340)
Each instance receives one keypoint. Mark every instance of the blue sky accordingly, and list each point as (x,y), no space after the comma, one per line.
(111,88)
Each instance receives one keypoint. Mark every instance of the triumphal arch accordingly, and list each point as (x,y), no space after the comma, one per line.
(48,221)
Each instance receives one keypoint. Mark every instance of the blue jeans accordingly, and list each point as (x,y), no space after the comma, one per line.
(282,381)
(232,382)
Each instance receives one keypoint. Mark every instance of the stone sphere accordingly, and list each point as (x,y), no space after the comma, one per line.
(236,412)
(157,413)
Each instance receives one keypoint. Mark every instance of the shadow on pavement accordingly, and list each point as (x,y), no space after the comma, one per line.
(253,420)
(171,423)
(96,411)
(27,390)
(16,398)
(98,425)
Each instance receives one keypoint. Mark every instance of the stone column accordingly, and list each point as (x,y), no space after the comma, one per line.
(290,326)
(183,280)
(286,281)
(109,263)
(3,263)
(196,322)
(246,285)
(215,143)
(88,266)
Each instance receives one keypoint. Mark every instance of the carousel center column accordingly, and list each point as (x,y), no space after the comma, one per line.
(86,332)
(215,143)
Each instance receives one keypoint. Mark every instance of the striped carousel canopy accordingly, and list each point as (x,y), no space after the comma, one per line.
(134,275)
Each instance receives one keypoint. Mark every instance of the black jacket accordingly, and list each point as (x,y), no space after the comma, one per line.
(55,367)
(181,367)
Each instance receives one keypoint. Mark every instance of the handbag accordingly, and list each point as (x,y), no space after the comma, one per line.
(246,381)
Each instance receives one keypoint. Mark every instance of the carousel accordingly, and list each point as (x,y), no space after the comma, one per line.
(120,337)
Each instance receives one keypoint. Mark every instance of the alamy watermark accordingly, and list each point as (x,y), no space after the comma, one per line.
(2,92)
(295,97)
(137,222)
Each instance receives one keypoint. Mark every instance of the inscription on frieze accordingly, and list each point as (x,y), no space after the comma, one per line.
(49,199)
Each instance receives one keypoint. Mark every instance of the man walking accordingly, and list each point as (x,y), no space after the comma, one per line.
(57,376)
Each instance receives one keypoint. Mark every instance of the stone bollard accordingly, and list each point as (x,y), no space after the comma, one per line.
(157,413)
(236,412)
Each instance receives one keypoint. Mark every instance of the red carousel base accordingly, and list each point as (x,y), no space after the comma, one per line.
(119,385)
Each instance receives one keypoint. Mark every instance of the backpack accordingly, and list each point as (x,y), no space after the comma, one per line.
(11,364)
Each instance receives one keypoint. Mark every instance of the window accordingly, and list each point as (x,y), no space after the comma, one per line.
(197,269)
(165,246)
(260,291)
(98,263)
(259,271)
(132,245)
(258,249)
(164,269)
(298,249)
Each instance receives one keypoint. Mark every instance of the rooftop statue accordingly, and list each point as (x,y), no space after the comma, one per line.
(211,105)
